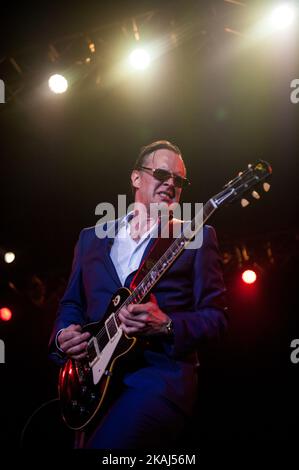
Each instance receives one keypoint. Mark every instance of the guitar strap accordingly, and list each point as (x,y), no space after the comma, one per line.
(164,239)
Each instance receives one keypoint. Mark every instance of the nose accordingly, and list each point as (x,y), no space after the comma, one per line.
(170,181)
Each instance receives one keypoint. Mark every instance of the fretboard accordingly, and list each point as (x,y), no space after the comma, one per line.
(191,228)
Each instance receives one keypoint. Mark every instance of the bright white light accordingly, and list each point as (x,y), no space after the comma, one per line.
(9,257)
(249,276)
(282,16)
(57,83)
(139,59)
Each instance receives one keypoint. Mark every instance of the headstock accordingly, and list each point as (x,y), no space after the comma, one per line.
(247,183)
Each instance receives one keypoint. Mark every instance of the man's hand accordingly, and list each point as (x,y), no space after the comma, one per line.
(143,319)
(73,342)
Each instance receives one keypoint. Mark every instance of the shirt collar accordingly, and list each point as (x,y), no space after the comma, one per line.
(125,224)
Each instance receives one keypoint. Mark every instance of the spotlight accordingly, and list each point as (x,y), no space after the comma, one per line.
(282,16)
(58,83)
(9,257)
(5,314)
(249,276)
(139,59)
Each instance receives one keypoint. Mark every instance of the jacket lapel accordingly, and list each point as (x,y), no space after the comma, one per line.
(108,242)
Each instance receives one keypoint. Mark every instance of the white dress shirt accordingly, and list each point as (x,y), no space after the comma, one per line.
(126,253)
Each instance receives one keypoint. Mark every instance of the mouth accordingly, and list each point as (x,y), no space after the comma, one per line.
(166,196)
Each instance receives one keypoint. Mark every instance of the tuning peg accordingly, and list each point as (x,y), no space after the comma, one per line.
(266,187)
(244,202)
(255,195)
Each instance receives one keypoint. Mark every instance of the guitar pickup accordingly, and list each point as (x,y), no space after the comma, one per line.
(93,351)
(111,327)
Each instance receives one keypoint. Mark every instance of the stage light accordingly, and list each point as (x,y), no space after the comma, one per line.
(58,83)
(5,314)
(139,59)
(9,257)
(249,276)
(282,16)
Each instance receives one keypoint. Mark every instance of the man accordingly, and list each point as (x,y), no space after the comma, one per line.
(186,307)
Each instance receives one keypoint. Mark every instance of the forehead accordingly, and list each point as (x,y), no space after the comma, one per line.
(167,159)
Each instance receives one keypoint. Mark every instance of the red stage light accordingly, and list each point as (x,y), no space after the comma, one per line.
(249,276)
(5,314)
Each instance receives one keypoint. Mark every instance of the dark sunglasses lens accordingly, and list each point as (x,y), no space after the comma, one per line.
(185,182)
(179,181)
(161,175)
(164,175)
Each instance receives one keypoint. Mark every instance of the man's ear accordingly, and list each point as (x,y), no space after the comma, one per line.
(136,179)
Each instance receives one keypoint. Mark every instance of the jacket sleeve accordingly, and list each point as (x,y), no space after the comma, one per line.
(207,319)
(72,305)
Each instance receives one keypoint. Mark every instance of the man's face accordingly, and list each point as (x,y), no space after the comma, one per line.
(149,189)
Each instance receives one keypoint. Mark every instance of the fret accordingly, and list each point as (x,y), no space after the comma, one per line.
(208,209)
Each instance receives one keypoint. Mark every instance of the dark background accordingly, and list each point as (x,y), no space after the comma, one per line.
(224,99)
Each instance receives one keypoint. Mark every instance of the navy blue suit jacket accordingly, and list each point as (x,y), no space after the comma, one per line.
(192,293)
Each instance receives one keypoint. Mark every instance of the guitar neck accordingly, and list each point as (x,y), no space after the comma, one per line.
(251,178)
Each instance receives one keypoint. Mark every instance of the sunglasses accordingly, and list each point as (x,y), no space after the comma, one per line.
(164,175)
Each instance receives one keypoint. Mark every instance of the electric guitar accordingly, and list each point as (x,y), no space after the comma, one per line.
(83,384)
